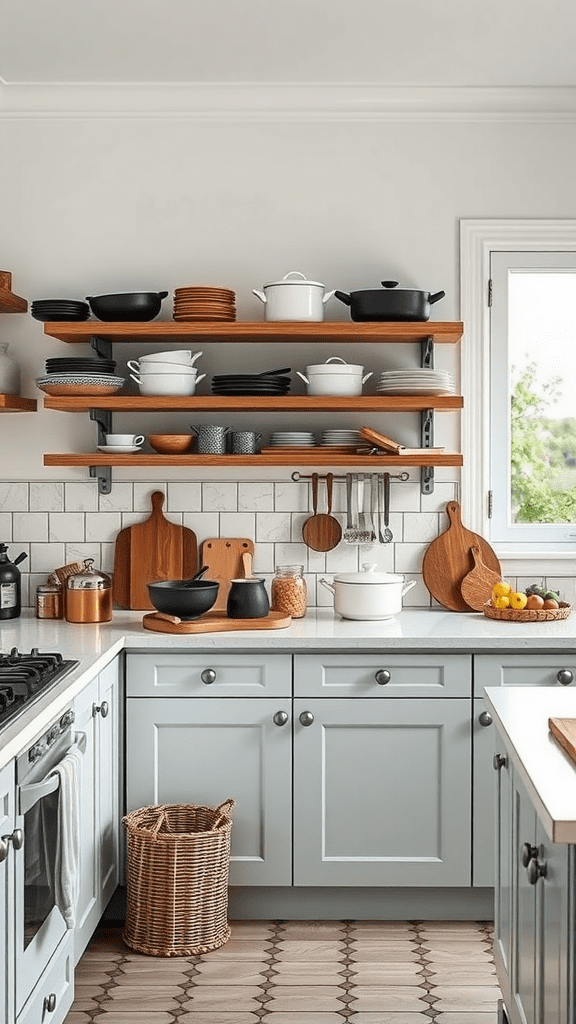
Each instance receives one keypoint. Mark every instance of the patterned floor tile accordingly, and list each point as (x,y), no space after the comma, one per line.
(470,998)
(305,998)
(387,974)
(148,997)
(252,929)
(112,1016)
(228,972)
(288,1017)
(294,972)
(209,1017)
(366,951)
(240,998)
(385,1017)
(467,1018)
(469,974)
(289,949)
(384,997)
(459,956)
(241,949)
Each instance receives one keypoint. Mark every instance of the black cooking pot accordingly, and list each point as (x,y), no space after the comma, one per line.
(126,306)
(389,303)
(188,600)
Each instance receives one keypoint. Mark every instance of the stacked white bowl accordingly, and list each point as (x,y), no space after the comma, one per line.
(166,373)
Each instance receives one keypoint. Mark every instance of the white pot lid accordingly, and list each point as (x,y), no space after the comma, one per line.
(335,368)
(368,576)
(295,277)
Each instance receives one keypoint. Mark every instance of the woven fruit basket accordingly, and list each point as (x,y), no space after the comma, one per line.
(528,614)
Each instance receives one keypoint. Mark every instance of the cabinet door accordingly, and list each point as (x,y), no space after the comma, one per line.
(208,675)
(382,792)
(109,775)
(483,789)
(7,823)
(505,854)
(202,751)
(556,929)
(524,925)
(382,675)
(523,670)
(88,906)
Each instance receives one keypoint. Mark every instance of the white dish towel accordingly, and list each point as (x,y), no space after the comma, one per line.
(67,866)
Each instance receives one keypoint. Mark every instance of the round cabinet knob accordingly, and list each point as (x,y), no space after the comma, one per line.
(306,718)
(208,676)
(485,718)
(527,853)
(536,870)
(280,718)
(499,761)
(100,709)
(382,676)
(15,838)
(50,1003)
(565,677)
(3,850)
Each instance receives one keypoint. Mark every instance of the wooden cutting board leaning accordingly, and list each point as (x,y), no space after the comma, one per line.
(477,586)
(153,550)
(223,556)
(448,560)
(564,730)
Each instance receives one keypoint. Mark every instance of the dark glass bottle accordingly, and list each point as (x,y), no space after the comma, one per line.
(10,585)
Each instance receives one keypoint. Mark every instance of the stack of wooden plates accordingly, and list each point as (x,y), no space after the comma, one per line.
(204,303)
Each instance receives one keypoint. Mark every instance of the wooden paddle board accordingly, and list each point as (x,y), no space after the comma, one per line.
(564,730)
(153,550)
(223,556)
(213,622)
(477,586)
(448,560)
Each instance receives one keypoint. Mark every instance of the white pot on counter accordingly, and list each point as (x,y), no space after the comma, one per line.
(369,594)
(334,377)
(294,298)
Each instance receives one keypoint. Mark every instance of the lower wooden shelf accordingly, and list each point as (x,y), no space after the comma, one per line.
(312,458)
(13,403)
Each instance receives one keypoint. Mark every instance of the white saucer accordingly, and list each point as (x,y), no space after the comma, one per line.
(119,449)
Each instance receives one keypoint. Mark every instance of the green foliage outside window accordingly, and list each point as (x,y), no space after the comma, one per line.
(542,456)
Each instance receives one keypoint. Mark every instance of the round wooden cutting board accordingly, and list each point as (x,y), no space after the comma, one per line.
(449,559)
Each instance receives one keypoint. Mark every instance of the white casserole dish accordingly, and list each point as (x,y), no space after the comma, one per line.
(294,298)
(334,377)
(369,594)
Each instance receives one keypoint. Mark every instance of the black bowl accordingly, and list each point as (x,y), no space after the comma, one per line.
(173,597)
(126,306)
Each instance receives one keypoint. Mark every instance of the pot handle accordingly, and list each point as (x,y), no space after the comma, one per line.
(408,587)
(163,295)
(294,273)
(134,365)
(337,359)
(436,296)
(304,378)
(344,297)
(198,379)
(195,357)
(137,379)
(328,586)
(367,376)
(259,295)
(329,295)
(389,284)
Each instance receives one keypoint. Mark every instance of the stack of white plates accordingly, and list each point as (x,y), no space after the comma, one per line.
(416,382)
(292,438)
(342,438)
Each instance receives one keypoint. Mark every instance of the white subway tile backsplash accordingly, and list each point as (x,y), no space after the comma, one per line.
(263,558)
(80,497)
(290,496)
(79,552)
(219,496)
(30,526)
(184,497)
(47,497)
(107,557)
(256,497)
(408,557)
(13,497)
(273,527)
(5,527)
(204,524)
(418,596)
(441,495)
(344,558)
(47,557)
(290,554)
(143,495)
(66,526)
(237,524)
(405,496)
(316,561)
(120,498)
(420,526)
(102,526)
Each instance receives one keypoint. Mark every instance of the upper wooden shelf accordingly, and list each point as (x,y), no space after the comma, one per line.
(9,302)
(315,457)
(13,403)
(215,403)
(449,333)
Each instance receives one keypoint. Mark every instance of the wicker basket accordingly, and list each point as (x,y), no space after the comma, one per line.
(528,614)
(178,857)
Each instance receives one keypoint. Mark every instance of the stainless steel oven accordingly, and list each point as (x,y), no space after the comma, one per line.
(40,924)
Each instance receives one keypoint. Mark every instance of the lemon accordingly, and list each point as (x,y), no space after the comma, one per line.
(518,600)
(501,601)
(501,589)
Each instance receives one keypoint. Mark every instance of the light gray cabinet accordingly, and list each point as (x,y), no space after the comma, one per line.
(382,792)
(97,710)
(534,909)
(524,669)
(7,825)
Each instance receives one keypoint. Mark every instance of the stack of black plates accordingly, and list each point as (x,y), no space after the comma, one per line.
(274,383)
(81,365)
(53,310)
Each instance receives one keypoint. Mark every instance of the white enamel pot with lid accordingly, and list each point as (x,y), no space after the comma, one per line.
(334,377)
(294,298)
(369,594)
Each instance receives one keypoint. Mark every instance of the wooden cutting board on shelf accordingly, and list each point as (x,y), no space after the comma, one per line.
(448,560)
(564,730)
(153,550)
(213,622)
(223,556)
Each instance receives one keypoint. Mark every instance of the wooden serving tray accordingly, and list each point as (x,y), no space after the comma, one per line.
(212,622)
(564,730)
(528,614)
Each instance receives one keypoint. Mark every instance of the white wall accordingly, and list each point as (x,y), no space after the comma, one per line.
(98,205)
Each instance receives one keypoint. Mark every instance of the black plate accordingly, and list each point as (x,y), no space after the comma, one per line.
(59,317)
(231,392)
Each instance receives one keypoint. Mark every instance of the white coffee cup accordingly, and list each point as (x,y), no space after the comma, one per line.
(125,439)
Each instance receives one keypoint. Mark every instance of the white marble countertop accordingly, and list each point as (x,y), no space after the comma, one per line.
(521,715)
(413,630)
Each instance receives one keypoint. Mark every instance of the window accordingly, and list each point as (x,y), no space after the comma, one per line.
(519,383)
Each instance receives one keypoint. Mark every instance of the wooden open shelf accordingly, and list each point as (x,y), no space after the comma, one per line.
(312,458)
(284,403)
(9,302)
(348,331)
(13,403)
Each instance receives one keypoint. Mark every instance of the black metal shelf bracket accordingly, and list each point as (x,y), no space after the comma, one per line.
(104,476)
(427,418)
(101,346)
(427,353)
(103,417)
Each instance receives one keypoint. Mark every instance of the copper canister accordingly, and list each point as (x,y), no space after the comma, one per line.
(88,595)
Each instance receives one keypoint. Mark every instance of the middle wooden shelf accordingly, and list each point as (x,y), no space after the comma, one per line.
(284,403)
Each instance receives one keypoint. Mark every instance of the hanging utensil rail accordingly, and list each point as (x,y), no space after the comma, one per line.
(303,476)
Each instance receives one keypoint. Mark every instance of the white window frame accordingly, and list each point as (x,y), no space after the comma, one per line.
(478,238)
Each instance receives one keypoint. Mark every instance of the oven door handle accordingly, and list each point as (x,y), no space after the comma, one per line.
(35,791)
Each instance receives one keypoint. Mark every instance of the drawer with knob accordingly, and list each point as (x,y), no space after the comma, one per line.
(525,669)
(382,675)
(208,674)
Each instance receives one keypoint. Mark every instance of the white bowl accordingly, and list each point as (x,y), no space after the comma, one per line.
(180,356)
(167,383)
(145,369)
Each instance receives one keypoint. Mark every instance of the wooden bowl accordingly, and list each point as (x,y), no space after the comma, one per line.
(169,444)
(528,614)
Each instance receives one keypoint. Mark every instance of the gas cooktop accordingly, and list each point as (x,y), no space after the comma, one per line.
(26,677)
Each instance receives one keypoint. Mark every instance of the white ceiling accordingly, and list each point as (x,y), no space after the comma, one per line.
(496,43)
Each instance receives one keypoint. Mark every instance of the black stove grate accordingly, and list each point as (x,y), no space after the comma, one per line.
(25,677)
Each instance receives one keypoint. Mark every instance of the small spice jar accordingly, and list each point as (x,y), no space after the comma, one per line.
(289,591)
(49,601)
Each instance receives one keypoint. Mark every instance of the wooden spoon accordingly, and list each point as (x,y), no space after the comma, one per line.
(321,531)
(477,585)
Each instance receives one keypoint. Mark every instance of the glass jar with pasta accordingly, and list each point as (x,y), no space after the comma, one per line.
(289,591)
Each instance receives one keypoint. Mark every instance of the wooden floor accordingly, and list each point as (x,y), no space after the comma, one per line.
(298,972)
